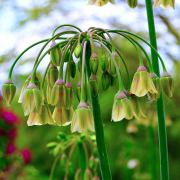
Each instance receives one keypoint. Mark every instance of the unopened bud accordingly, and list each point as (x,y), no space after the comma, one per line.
(113,80)
(91,162)
(88,175)
(132,3)
(96,178)
(66,57)
(52,75)
(78,51)
(8,91)
(78,175)
(93,84)
(79,65)
(69,96)
(112,66)
(78,91)
(105,80)
(63,160)
(56,54)
(72,69)
(93,63)
(104,63)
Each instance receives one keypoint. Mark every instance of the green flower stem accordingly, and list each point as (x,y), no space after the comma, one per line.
(103,158)
(91,42)
(66,26)
(82,72)
(152,48)
(145,53)
(86,154)
(121,85)
(152,155)
(82,157)
(164,167)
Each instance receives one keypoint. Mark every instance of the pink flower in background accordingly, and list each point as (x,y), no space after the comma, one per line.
(26,155)
(9,117)
(12,133)
(10,148)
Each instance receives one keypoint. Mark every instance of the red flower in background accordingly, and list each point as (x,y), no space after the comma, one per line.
(10,148)
(26,155)
(12,133)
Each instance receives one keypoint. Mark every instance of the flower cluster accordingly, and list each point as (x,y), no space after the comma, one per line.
(59,90)
(88,163)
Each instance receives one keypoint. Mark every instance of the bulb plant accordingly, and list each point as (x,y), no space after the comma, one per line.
(60,93)
(87,155)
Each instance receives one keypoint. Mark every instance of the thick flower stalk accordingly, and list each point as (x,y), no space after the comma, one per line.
(59,91)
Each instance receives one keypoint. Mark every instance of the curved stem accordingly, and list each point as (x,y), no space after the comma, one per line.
(103,158)
(164,165)
(121,85)
(92,43)
(86,153)
(152,48)
(64,26)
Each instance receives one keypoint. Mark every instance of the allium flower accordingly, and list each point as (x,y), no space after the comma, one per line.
(27,156)
(142,83)
(100,2)
(122,108)
(82,119)
(164,3)
(10,148)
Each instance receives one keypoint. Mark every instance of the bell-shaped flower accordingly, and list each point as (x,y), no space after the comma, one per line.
(167,84)
(100,2)
(122,108)
(63,116)
(93,63)
(82,119)
(164,3)
(8,91)
(68,96)
(52,75)
(105,80)
(32,99)
(156,81)
(142,83)
(132,3)
(104,63)
(57,96)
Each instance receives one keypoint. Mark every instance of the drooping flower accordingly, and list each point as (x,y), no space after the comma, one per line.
(164,3)
(122,108)
(100,2)
(82,119)
(142,83)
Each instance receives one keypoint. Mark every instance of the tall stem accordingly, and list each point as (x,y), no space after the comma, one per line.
(164,167)
(103,159)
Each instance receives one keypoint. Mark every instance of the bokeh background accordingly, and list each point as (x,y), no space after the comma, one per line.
(129,143)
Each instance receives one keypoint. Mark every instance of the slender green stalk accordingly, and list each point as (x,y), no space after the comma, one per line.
(152,154)
(103,158)
(164,167)
(82,158)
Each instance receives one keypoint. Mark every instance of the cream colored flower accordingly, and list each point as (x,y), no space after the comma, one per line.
(164,3)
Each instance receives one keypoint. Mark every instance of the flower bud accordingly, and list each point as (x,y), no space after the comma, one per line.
(91,162)
(88,175)
(93,63)
(122,108)
(93,84)
(56,54)
(104,63)
(78,51)
(58,94)
(113,80)
(78,92)
(164,3)
(112,67)
(72,69)
(96,165)
(105,80)
(167,85)
(8,91)
(82,119)
(66,57)
(78,175)
(51,145)
(96,178)
(68,96)
(132,3)
(32,100)
(52,75)
(63,160)
(156,81)
(79,64)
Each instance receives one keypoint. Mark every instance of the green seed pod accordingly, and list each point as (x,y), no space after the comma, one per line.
(113,80)
(52,75)
(167,85)
(79,64)
(88,175)
(55,54)
(78,91)
(68,96)
(78,175)
(112,67)
(105,80)
(72,69)
(66,57)
(93,63)
(8,91)
(51,145)
(78,51)
(156,81)
(104,63)
(93,84)
(91,162)
(58,94)
(132,3)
